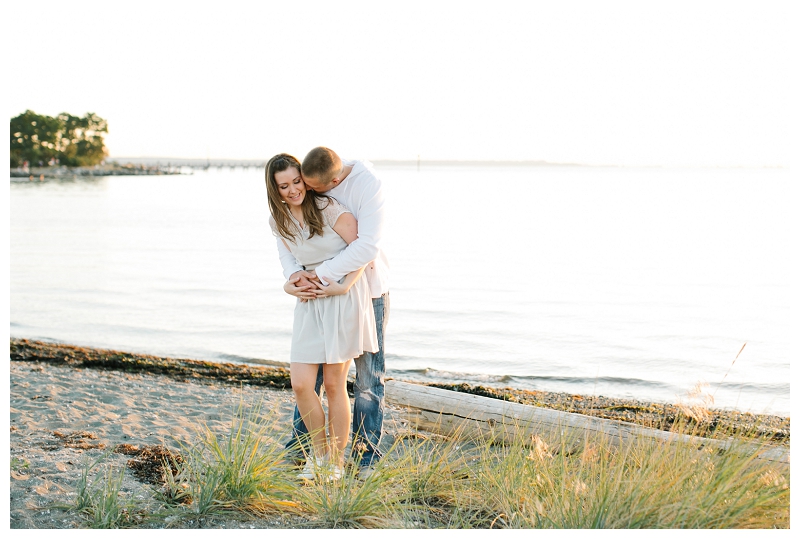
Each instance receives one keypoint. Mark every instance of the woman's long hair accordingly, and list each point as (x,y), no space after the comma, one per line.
(312,212)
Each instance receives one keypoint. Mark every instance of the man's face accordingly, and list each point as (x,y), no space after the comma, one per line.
(316,185)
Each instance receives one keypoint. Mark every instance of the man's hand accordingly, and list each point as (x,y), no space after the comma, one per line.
(300,285)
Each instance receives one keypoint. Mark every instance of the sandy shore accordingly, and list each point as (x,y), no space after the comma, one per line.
(70,404)
(62,415)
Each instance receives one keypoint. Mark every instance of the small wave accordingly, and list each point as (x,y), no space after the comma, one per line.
(438,375)
(764,389)
(638,385)
(613,380)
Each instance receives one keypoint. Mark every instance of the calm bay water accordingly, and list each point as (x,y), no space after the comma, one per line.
(631,282)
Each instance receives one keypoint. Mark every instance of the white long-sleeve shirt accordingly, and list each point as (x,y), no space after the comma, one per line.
(361,193)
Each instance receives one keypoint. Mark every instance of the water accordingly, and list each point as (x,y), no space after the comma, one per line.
(629,282)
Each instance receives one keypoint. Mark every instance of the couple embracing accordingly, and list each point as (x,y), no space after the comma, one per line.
(327,215)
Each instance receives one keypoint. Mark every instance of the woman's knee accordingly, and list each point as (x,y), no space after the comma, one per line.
(335,386)
(335,381)
(302,387)
(304,381)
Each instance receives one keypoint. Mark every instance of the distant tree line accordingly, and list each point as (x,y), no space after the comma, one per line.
(67,140)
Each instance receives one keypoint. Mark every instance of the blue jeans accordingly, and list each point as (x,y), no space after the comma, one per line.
(369,390)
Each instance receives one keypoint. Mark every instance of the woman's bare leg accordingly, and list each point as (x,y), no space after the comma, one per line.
(338,408)
(304,377)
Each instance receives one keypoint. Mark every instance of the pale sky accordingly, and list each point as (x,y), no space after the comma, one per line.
(623,83)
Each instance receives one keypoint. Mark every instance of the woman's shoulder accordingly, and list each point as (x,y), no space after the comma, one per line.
(331,209)
(326,201)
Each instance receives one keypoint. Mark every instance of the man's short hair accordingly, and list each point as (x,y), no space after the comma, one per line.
(322,164)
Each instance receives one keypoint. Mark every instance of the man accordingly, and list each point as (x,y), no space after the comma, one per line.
(354,184)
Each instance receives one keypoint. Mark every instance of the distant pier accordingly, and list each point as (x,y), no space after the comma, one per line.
(196,164)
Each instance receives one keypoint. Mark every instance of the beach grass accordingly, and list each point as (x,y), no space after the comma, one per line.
(245,470)
(349,502)
(168,454)
(98,499)
(642,483)
(427,481)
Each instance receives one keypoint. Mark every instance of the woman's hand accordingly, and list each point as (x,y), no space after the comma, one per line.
(333,289)
(338,289)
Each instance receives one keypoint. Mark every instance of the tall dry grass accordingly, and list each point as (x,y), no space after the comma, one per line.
(589,481)
(244,470)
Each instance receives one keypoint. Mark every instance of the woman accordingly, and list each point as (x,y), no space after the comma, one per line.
(330,330)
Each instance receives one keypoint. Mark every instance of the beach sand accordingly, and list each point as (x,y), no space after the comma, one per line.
(69,405)
(61,416)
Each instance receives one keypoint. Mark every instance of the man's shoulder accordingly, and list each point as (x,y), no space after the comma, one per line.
(363,174)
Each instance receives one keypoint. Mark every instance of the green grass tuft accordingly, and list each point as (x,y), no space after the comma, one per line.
(98,499)
(241,471)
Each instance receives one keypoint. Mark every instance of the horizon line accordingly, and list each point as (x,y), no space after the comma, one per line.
(440,162)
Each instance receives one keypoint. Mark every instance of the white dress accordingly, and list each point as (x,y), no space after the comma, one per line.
(338,328)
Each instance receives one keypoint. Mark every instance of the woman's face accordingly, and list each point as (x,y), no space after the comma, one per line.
(290,186)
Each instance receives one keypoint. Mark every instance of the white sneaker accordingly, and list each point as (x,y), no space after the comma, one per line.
(312,468)
(336,473)
(365,472)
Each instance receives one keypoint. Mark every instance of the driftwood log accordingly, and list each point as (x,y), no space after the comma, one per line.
(459,414)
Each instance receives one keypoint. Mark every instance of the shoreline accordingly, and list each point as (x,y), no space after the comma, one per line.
(715,422)
(40,173)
